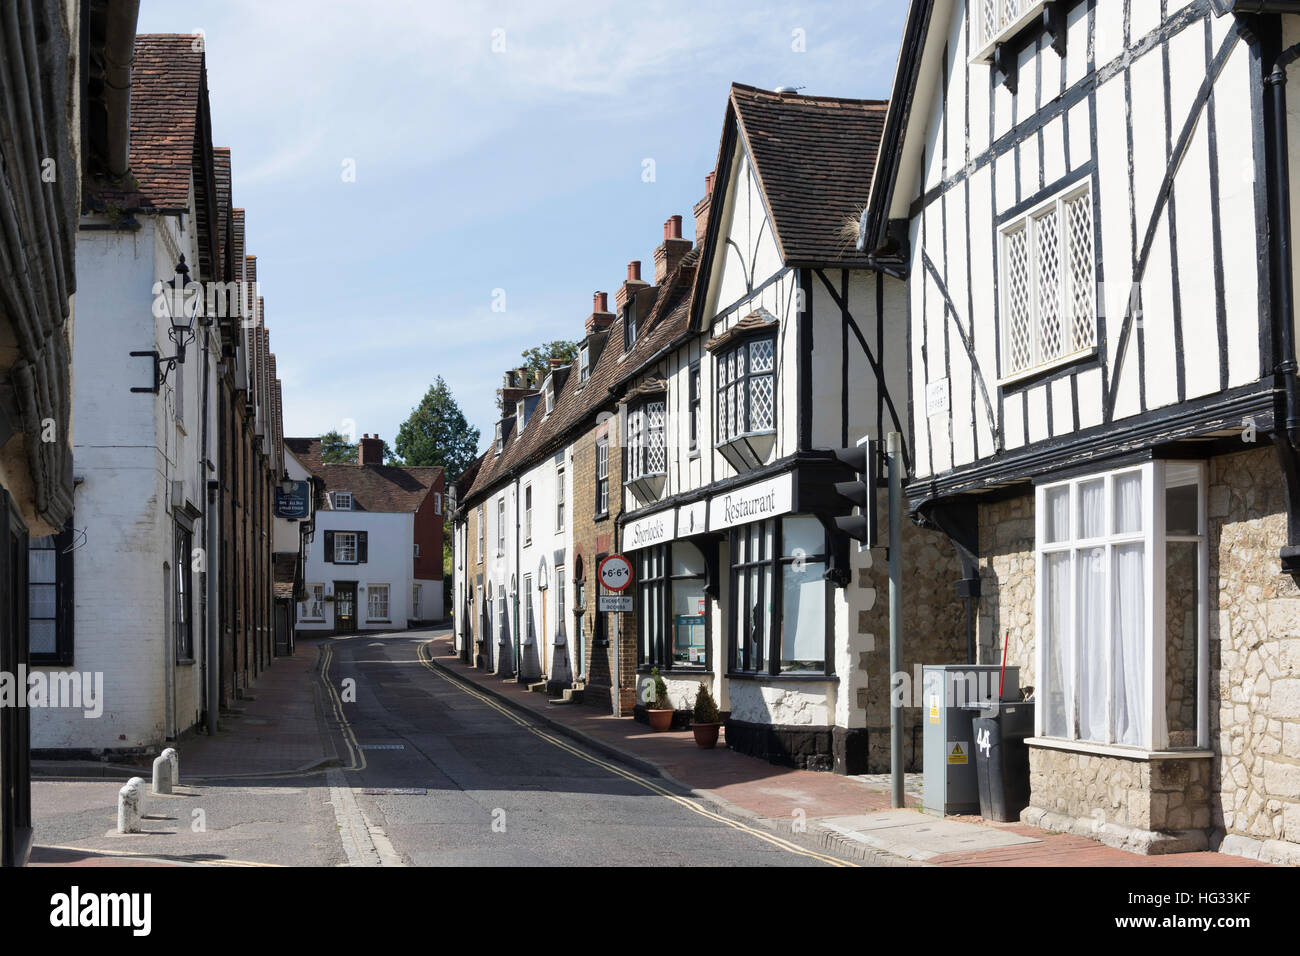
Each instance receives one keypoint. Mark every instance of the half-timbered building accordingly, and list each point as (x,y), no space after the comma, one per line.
(740,386)
(1088,204)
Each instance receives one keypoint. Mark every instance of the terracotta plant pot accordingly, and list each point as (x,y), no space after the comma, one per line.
(660,719)
(706,735)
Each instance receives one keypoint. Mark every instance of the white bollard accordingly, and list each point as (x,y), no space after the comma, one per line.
(162,774)
(175,758)
(129,799)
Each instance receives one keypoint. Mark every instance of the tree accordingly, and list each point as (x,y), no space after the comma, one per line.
(436,433)
(537,360)
(335,449)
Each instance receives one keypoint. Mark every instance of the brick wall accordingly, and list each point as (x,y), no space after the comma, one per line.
(592,539)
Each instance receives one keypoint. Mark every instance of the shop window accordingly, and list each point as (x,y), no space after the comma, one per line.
(780,614)
(671,606)
(313,609)
(1122,638)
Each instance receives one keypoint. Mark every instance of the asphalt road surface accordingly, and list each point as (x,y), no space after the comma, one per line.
(448,776)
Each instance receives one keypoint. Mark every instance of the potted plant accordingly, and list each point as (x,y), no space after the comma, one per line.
(705,719)
(660,708)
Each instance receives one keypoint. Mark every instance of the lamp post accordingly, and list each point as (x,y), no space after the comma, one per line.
(174,303)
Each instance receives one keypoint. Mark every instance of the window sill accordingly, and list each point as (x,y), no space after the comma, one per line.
(1114,750)
(985,53)
(800,676)
(1026,375)
(185,662)
(692,669)
(600,517)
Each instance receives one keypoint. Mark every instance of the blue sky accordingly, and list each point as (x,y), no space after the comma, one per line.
(478,169)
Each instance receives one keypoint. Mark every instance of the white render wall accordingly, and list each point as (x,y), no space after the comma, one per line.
(129,448)
(548,650)
(390,560)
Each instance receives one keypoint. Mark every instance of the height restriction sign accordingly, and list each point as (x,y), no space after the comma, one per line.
(615,572)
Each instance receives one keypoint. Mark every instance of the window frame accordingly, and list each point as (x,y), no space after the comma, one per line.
(602,480)
(641,438)
(306,615)
(337,505)
(528,514)
(356,547)
(725,382)
(654,591)
(501,526)
(771,566)
(584,363)
(1155,539)
(64,599)
(183,594)
(387,616)
(983,47)
(1027,221)
(482,531)
(694,400)
(561,498)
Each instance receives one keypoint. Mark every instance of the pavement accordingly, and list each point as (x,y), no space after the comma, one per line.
(850,816)
(256,794)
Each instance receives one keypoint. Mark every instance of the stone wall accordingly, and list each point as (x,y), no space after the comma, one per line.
(934,631)
(1148,806)
(1254,660)
(1006,562)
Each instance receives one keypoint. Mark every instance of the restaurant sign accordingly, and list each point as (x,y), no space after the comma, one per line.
(755,502)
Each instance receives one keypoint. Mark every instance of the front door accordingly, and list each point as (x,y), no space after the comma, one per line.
(345,607)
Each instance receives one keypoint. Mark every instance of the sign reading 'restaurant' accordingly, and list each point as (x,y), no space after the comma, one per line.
(762,499)
(652,529)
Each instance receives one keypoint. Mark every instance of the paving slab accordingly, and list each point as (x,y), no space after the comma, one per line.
(916,836)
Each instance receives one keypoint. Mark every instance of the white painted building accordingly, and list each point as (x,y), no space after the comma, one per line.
(374,561)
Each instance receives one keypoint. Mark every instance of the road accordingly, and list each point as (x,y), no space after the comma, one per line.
(447,776)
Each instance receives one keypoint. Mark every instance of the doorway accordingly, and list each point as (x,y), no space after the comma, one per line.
(345,607)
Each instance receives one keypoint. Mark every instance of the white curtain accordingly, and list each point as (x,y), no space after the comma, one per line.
(1128,503)
(1091,620)
(1058,514)
(1092,509)
(1055,656)
(1129,644)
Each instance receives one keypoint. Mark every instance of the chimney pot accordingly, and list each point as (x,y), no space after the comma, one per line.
(600,302)
(634,271)
(673,227)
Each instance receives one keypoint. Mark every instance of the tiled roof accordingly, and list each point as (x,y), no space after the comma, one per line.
(576,404)
(166,81)
(814,158)
(221,168)
(391,488)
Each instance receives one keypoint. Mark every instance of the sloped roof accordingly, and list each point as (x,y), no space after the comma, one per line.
(576,404)
(392,488)
(166,82)
(813,156)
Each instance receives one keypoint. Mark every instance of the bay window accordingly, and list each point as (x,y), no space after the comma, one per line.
(745,377)
(1122,638)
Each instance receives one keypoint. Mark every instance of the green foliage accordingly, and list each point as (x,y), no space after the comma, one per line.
(537,360)
(436,433)
(706,708)
(335,449)
(661,701)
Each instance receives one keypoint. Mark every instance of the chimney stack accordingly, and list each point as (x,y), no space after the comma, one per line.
(370,450)
(633,285)
(670,253)
(702,209)
(601,318)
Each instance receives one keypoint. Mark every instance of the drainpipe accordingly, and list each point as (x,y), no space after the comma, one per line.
(516,578)
(1282,298)
(119,49)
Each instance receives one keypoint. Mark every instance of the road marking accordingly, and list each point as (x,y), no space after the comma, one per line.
(354,749)
(161,857)
(426,659)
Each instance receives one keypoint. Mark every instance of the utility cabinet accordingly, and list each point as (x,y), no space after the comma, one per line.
(948,760)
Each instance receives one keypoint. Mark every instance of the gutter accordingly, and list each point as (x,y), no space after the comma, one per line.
(119,51)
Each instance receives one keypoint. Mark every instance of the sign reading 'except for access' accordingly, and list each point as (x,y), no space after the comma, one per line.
(614,602)
(615,572)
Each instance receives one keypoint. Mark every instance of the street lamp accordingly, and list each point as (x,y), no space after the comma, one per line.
(172,302)
(287,484)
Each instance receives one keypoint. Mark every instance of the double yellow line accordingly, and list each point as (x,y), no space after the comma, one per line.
(426,659)
(355,753)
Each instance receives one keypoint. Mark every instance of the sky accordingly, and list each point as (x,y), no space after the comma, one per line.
(406,164)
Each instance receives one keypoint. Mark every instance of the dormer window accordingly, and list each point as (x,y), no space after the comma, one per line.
(584,363)
(550,396)
(500,441)
(521,413)
(629,324)
(342,501)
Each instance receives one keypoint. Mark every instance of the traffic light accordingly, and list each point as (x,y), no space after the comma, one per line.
(864,460)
